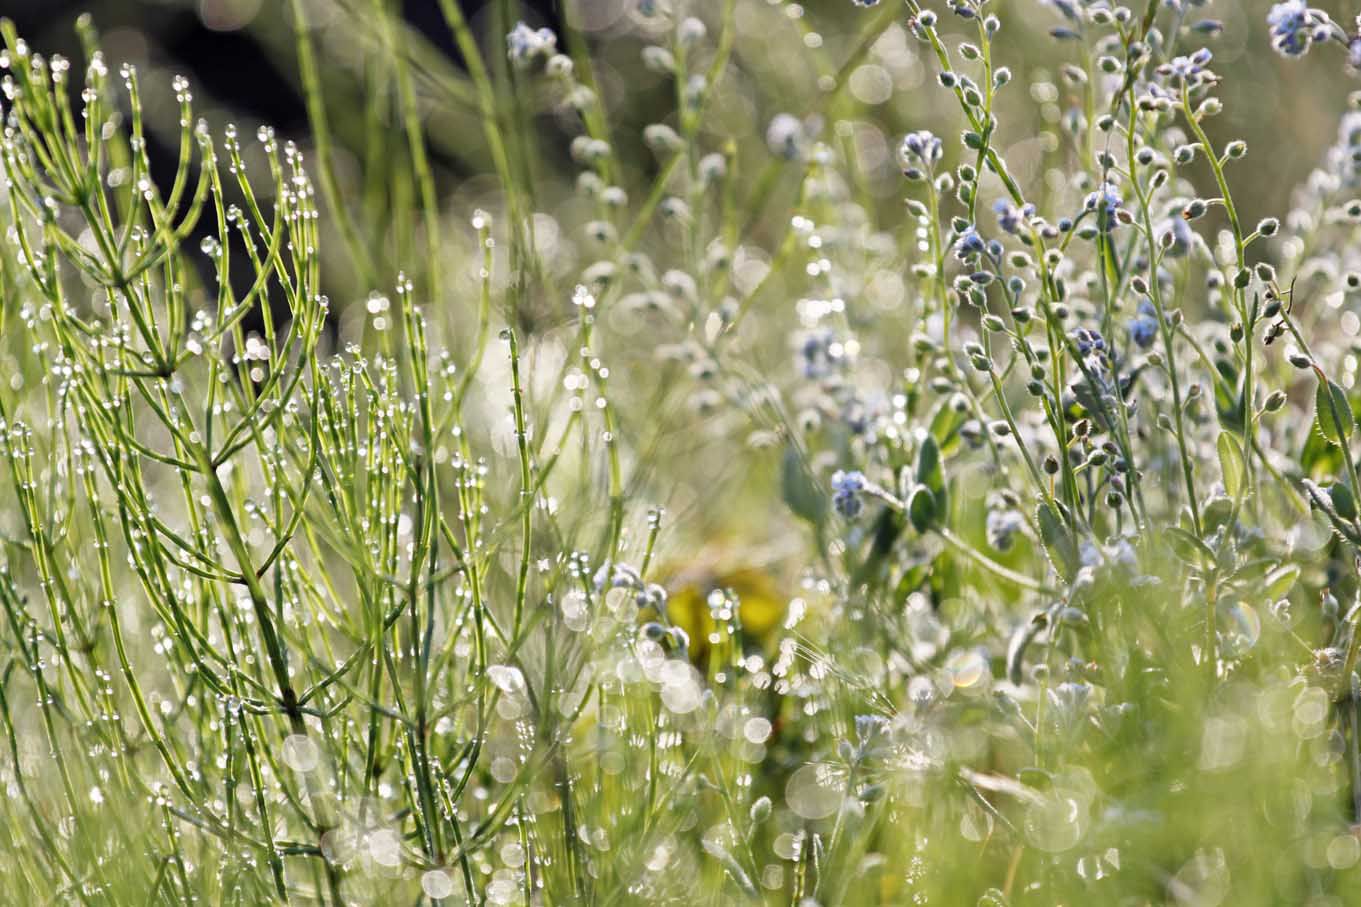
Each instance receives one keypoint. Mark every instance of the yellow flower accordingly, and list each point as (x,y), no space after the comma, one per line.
(761,608)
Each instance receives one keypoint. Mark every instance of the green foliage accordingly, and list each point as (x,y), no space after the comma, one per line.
(1012,546)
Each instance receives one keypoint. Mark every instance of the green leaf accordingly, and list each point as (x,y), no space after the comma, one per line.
(1091,404)
(1216,512)
(1344,502)
(1319,458)
(1228,404)
(800,492)
(1280,581)
(921,509)
(1254,571)
(911,581)
(1058,542)
(929,471)
(887,528)
(1335,419)
(1231,463)
(1188,549)
(945,424)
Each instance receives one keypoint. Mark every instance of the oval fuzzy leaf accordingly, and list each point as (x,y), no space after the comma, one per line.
(1188,549)
(945,423)
(1231,464)
(1335,420)
(1319,458)
(1228,404)
(1217,511)
(1344,502)
(1058,542)
(929,471)
(800,492)
(911,581)
(1280,581)
(921,509)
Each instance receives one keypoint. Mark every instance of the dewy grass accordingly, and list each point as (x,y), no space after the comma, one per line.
(733,508)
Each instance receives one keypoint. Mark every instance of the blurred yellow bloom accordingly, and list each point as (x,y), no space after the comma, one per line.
(762,603)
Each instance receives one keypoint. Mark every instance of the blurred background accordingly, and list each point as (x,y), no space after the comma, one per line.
(241,58)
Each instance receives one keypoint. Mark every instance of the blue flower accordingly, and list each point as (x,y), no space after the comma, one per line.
(1009,217)
(1089,341)
(846,490)
(524,45)
(867,727)
(819,354)
(1290,26)
(1106,202)
(617,576)
(1189,67)
(1143,329)
(922,146)
(969,244)
(865,3)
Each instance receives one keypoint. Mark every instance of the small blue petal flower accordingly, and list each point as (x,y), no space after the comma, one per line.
(844,482)
(1291,27)
(819,354)
(1009,217)
(1188,67)
(1088,341)
(524,45)
(846,490)
(969,244)
(1143,330)
(1106,202)
(869,726)
(921,147)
